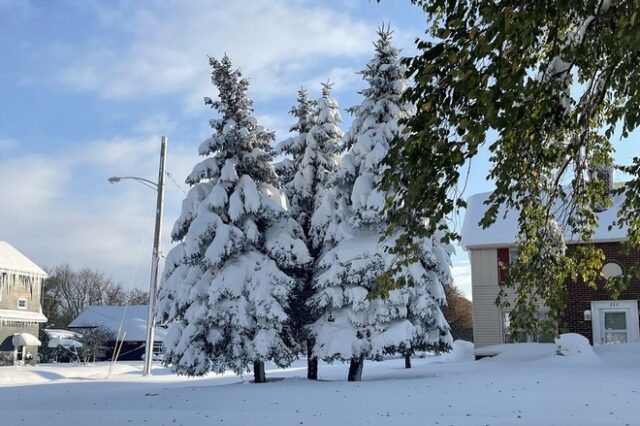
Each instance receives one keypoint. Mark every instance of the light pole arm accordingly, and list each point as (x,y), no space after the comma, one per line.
(146,182)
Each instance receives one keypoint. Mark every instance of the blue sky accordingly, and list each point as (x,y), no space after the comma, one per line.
(88,87)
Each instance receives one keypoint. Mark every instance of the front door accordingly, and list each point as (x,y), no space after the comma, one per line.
(20,353)
(615,322)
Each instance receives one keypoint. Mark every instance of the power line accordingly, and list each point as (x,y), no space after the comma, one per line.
(176,183)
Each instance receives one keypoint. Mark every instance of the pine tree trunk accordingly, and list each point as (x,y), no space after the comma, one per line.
(407,361)
(312,362)
(258,372)
(355,369)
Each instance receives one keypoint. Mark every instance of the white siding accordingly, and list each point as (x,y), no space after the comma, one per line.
(487,321)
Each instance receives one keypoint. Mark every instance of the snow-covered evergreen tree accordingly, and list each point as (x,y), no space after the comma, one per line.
(319,159)
(305,113)
(225,285)
(351,224)
(314,152)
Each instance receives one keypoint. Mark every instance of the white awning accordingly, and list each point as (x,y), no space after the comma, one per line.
(25,339)
(7,315)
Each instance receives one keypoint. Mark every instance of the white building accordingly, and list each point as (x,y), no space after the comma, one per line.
(21,283)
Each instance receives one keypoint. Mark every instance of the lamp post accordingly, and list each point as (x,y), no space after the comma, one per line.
(155,259)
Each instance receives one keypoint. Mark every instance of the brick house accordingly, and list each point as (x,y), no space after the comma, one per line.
(590,312)
(21,283)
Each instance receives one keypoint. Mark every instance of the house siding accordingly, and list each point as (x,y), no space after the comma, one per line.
(15,286)
(487,322)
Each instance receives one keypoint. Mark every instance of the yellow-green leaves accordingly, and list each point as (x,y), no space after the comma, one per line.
(483,71)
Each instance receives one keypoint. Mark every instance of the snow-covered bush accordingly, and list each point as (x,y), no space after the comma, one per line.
(461,350)
(573,344)
(225,286)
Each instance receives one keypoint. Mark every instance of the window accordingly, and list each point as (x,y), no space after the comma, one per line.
(506,257)
(615,327)
(22,303)
(513,255)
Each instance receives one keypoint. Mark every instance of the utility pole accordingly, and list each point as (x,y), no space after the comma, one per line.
(155,262)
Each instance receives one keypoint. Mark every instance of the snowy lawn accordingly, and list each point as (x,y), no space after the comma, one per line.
(526,385)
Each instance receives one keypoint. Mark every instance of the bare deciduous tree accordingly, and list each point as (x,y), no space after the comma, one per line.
(68,292)
(94,342)
(459,314)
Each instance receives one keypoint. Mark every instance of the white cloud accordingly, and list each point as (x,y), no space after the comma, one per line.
(276,42)
(60,208)
(341,77)
(28,184)
(156,124)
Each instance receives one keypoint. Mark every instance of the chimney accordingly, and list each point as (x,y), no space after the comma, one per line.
(605,175)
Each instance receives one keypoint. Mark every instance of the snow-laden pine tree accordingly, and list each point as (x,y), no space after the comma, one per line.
(225,285)
(353,323)
(314,152)
(294,147)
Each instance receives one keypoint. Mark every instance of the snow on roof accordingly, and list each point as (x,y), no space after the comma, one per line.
(63,338)
(69,344)
(12,260)
(54,333)
(502,233)
(133,319)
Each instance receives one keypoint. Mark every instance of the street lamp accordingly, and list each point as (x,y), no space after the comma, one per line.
(155,259)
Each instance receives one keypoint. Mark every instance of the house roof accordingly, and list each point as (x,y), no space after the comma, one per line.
(12,260)
(503,232)
(133,319)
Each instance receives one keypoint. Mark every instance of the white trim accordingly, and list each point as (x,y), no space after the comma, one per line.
(630,307)
(486,246)
(12,315)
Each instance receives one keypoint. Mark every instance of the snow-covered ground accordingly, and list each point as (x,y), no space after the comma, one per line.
(526,385)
